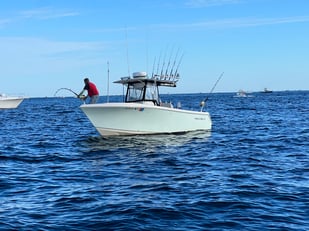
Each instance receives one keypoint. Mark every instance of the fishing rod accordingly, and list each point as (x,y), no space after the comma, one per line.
(161,76)
(158,64)
(171,73)
(202,104)
(176,71)
(169,62)
(153,67)
(68,89)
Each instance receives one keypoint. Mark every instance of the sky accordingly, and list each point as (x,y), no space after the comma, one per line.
(50,44)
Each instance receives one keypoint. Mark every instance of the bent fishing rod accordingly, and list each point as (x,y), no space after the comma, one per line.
(68,89)
(202,104)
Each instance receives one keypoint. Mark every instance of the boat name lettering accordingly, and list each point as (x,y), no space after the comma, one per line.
(199,118)
(135,108)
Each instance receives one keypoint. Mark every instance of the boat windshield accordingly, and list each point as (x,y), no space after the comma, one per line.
(135,92)
(142,92)
(152,93)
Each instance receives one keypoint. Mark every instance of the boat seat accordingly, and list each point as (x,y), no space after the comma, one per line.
(167,104)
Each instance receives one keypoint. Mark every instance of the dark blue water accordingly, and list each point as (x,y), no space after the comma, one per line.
(250,173)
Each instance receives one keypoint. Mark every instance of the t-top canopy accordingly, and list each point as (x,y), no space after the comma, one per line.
(141,77)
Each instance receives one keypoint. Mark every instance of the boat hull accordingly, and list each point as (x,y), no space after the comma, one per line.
(114,119)
(10,102)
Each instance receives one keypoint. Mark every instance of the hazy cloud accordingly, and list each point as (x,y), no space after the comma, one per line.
(4,22)
(37,14)
(47,13)
(44,48)
(208,3)
(237,22)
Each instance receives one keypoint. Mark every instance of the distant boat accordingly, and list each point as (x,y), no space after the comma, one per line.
(242,93)
(267,90)
(10,102)
(142,111)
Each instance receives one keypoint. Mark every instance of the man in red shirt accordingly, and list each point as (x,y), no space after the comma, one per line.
(92,90)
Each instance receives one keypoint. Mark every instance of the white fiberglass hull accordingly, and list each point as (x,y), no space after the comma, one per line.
(10,102)
(112,119)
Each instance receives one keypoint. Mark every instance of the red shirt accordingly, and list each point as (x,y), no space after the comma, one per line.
(92,89)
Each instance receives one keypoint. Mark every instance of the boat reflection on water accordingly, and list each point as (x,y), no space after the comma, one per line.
(145,142)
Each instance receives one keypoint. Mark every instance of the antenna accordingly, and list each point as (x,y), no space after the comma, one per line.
(127,53)
(107,81)
(147,51)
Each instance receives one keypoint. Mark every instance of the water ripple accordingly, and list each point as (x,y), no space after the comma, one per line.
(249,173)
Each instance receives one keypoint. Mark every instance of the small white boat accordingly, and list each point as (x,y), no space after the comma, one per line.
(142,111)
(10,102)
(242,94)
(267,90)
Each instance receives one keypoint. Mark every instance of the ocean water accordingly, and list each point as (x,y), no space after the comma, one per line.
(251,172)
